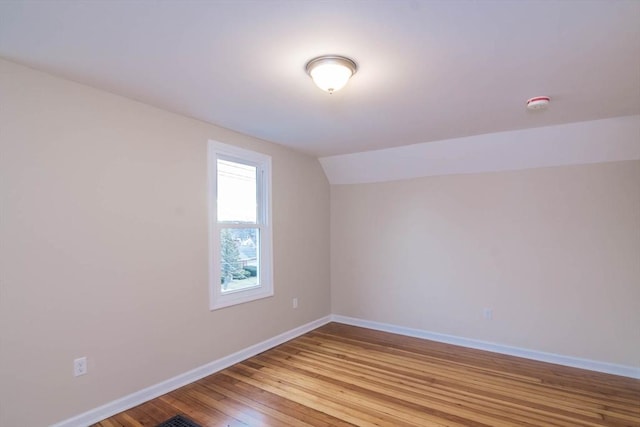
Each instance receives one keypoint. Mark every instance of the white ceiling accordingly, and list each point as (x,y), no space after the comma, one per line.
(428,70)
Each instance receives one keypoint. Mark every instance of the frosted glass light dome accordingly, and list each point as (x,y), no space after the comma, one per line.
(331,73)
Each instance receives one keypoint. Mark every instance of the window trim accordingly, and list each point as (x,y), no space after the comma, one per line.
(218,299)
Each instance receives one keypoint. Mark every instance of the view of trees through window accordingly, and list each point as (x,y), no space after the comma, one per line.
(239,258)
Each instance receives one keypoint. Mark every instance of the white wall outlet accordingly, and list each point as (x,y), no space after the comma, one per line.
(488,313)
(79,366)
(295,303)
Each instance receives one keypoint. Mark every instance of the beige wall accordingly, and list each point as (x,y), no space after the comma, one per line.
(555,252)
(104,247)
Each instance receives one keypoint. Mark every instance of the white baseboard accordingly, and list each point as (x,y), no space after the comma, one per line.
(575,362)
(134,399)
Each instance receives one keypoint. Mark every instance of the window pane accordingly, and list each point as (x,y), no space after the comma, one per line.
(237,200)
(239,260)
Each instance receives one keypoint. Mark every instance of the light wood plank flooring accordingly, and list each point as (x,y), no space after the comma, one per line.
(341,375)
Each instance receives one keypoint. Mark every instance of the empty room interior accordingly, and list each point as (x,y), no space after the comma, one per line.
(319,213)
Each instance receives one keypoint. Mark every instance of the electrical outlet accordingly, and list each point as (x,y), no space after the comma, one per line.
(488,313)
(295,303)
(79,366)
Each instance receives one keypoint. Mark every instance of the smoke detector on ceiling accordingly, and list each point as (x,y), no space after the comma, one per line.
(538,102)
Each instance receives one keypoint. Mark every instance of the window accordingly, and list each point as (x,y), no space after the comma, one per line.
(240,261)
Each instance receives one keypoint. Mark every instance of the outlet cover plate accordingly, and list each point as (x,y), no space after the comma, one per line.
(79,366)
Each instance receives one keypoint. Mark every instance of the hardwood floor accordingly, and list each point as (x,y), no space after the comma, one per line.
(340,375)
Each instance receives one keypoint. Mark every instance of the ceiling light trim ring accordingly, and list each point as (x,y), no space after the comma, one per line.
(332,59)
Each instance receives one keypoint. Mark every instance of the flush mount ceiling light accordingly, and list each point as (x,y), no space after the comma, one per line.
(331,73)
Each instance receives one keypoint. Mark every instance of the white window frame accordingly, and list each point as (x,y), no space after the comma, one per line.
(218,299)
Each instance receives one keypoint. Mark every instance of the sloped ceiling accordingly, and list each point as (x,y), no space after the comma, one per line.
(428,70)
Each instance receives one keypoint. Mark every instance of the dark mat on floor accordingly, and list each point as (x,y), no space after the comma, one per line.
(178,421)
